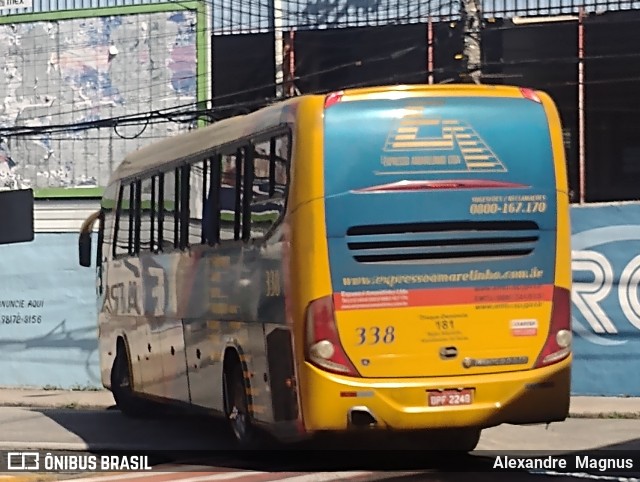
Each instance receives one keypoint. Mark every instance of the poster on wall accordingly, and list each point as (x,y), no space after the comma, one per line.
(606,299)
(89,70)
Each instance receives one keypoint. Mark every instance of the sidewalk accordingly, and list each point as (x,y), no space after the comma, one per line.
(587,407)
(605,407)
(38,398)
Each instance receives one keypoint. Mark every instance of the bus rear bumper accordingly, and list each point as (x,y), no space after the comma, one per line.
(336,403)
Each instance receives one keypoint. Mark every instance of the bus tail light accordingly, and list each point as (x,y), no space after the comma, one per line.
(333,98)
(530,94)
(558,344)
(322,345)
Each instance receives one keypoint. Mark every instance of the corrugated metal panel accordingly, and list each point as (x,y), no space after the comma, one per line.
(514,8)
(62,216)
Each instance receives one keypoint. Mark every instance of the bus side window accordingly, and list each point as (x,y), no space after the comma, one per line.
(125,221)
(211,210)
(146,210)
(157,213)
(109,200)
(231,196)
(171,211)
(269,184)
(134,213)
(199,189)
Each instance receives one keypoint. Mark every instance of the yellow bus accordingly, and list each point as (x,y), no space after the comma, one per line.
(383,259)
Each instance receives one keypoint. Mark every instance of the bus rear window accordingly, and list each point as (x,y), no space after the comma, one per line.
(488,140)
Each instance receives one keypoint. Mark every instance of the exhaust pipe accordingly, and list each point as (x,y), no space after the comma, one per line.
(361,417)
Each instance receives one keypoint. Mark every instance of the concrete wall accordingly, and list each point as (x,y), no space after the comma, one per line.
(67,71)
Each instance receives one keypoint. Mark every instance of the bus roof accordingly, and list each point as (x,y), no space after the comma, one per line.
(184,147)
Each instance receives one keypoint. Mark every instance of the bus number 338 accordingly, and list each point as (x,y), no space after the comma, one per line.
(375,335)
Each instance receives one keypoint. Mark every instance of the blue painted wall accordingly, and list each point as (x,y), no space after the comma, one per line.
(606,299)
(55,342)
(48,332)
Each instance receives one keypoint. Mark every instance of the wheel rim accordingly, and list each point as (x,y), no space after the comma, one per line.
(238,413)
(124,381)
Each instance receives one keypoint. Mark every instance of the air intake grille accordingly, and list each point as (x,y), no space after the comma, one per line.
(453,241)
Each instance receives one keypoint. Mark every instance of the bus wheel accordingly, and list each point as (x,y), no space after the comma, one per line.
(121,389)
(237,407)
(465,440)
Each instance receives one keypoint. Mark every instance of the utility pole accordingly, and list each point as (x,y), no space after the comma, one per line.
(276,6)
(472,21)
(208,13)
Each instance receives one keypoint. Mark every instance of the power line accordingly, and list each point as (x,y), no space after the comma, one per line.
(186,113)
(197,77)
(175,114)
(171,114)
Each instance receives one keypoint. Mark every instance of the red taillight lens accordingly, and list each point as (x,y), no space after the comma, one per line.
(530,94)
(332,98)
(558,344)
(322,346)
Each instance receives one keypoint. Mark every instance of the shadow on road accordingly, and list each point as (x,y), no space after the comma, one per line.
(206,441)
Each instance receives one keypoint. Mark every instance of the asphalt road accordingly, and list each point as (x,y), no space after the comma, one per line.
(186,445)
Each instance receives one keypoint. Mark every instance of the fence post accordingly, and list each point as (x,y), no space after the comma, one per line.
(290,61)
(279,47)
(430,49)
(581,113)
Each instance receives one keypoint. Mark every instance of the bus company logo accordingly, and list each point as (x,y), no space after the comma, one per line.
(603,290)
(438,145)
(493,362)
(23,461)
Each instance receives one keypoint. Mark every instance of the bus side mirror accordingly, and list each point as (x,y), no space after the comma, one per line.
(84,249)
(84,241)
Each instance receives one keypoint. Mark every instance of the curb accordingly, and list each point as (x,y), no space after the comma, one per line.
(28,478)
(606,415)
(58,406)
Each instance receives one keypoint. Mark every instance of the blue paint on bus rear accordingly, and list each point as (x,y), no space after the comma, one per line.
(378,142)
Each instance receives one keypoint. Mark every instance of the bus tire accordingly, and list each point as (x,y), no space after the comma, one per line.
(237,406)
(125,399)
(464,440)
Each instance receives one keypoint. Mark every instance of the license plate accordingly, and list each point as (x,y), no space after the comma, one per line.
(447,398)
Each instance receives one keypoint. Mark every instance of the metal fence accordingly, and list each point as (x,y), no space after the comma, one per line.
(253,16)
